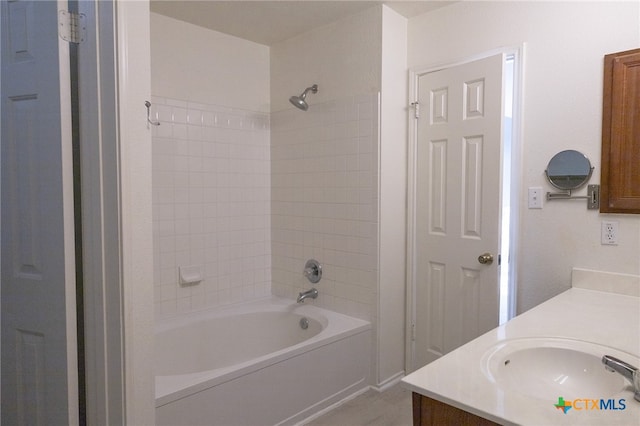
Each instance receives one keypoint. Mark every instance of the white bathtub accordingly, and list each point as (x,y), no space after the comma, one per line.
(253,364)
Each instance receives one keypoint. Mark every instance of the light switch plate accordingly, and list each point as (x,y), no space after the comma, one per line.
(535,198)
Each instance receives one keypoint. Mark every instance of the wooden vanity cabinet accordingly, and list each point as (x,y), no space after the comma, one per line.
(430,412)
(620,174)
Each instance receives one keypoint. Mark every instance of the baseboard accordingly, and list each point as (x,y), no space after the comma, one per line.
(390,382)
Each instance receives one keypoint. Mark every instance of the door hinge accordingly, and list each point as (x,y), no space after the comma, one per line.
(416,109)
(72,26)
(413,332)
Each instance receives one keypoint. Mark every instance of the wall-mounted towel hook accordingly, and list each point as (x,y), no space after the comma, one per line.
(148,105)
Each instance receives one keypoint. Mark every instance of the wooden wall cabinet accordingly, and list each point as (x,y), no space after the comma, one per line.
(620,178)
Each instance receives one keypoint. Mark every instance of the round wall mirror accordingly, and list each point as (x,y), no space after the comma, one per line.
(569,170)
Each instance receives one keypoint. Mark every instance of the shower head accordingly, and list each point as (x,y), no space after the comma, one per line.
(299,101)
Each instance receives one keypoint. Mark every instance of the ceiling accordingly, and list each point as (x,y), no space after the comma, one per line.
(269,22)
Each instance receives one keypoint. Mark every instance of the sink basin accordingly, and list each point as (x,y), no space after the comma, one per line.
(547,368)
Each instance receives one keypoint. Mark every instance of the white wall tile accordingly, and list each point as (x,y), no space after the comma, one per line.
(251,197)
(324,202)
(209,184)
(179,114)
(195,116)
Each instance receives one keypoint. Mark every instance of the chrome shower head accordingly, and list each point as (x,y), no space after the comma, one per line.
(299,101)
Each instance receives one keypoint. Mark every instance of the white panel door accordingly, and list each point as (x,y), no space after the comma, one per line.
(457,206)
(39,359)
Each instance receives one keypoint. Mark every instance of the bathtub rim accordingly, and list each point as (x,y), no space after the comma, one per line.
(267,304)
(336,327)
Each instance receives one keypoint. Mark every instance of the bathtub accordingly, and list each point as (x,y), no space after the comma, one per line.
(255,364)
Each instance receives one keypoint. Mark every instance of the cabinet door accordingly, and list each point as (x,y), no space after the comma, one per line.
(620,180)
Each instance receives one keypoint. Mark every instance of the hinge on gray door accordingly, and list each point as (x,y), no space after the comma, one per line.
(416,109)
(413,332)
(72,26)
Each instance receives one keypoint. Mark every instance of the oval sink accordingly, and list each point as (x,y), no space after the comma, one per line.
(547,368)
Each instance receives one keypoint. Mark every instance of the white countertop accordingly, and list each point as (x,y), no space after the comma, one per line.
(607,319)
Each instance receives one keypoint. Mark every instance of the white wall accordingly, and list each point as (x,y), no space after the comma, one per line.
(211,167)
(343,58)
(189,62)
(393,195)
(565,45)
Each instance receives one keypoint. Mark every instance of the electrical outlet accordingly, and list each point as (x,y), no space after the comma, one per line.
(535,198)
(609,233)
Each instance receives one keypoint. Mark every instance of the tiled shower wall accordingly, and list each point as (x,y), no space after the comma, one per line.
(324,173)
(211,204)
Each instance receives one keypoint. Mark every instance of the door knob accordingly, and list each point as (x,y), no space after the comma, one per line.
(486,259)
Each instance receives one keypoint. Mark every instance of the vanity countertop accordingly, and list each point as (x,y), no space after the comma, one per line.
(460,379)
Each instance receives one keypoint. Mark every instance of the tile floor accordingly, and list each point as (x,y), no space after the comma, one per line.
(389,408)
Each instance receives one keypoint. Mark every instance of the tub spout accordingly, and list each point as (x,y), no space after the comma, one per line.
(313,293)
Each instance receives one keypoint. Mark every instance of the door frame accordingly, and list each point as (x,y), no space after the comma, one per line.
(103,297)
(518,54)
(117,232)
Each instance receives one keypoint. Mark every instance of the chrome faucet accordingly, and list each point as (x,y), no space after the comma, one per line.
(628,371)
(313,293)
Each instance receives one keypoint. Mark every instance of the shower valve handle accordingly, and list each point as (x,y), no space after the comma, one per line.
(313,271)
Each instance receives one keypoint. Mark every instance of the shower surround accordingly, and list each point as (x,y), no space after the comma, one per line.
(250,198)
(324,202)
(211,204)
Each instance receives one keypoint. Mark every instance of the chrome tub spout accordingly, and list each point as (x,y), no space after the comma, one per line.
(313,293)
